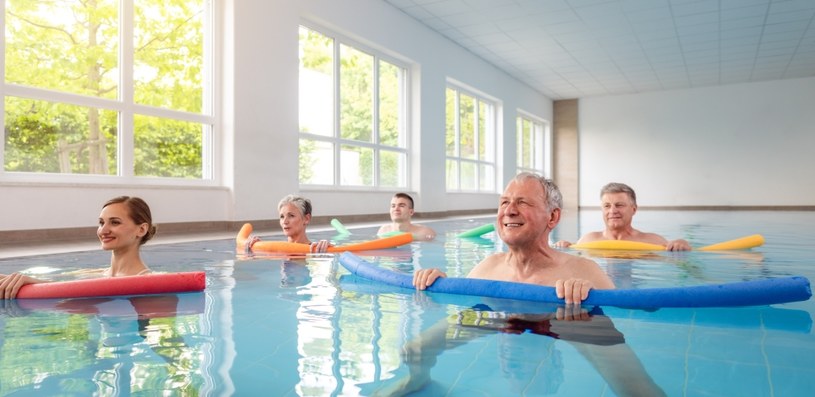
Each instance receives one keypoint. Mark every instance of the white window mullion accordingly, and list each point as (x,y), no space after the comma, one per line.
(477,141)
(375,122)
(337,115)
(457,143)
(126,145)
(209,145)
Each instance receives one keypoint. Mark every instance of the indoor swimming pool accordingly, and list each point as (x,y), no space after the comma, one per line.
(276,326)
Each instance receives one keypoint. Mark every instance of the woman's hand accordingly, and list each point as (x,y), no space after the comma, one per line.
(10,284)
(320,246)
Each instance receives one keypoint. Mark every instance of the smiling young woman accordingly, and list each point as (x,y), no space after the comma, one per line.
(125,224)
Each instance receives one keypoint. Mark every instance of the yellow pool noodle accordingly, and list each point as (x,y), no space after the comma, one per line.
(618,245)
(746,242)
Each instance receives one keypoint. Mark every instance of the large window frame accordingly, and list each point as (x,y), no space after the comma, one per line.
(127,109)
(533,144)
(343,155)
(471,167)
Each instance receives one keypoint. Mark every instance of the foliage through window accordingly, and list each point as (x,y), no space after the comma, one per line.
(84,95)
(352,115)
(470,142)
(534,147)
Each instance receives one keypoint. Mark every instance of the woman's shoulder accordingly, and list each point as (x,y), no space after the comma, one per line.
(109,273)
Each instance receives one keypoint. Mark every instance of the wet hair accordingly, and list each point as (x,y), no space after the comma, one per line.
(551,193)
(615,187)
(139,212)
(405,196)
(302,203)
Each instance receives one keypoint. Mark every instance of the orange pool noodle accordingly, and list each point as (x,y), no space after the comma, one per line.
(298,248)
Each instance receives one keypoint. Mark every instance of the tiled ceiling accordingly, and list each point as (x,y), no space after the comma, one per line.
(579,48)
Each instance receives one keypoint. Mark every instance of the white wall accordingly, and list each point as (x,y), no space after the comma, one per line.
(258,141)
(434,59)
(736,145)
(60,205)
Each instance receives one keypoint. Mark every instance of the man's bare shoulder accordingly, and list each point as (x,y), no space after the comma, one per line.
(585,268)
(653,238)
(386,228)
(426,229)
(591,236)
(421,232)
(486,269)
(568,259)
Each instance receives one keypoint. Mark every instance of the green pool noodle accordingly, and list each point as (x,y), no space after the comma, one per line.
(339,226)
(476,232)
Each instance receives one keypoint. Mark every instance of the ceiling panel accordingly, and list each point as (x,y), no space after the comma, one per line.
(577,48)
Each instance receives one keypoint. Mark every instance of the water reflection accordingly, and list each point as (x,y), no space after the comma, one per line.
(528,357)
(107,346)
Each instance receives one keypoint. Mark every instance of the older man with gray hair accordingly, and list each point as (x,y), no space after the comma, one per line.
(619,204)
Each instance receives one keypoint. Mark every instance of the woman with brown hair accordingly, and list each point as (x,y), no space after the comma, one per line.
(125,224)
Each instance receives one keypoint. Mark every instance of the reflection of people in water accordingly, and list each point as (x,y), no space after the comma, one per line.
(116,316)
(122,346)
(522,356)
(294,273)
(152,337)
(144,307)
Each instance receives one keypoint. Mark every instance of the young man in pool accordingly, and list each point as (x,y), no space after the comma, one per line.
(619,204)
(528,210)
(401,213)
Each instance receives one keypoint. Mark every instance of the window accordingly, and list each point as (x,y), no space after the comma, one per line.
(352,115)
(108,87)
(470,142)
(534,145)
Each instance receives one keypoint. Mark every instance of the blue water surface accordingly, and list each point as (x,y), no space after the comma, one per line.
(280,326)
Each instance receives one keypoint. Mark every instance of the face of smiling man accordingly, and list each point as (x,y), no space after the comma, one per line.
(618,210)
(522,213)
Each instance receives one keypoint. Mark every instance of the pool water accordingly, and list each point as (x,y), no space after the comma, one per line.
(302,326)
